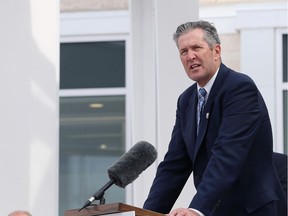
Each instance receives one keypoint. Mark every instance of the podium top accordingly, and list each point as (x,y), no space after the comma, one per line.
(94,210)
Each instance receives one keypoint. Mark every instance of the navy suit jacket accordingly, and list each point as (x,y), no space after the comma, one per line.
(280,162)
(231,157)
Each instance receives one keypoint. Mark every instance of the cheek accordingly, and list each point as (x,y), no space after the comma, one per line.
(183,60)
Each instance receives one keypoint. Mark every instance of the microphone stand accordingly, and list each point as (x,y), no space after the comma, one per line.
(99,195)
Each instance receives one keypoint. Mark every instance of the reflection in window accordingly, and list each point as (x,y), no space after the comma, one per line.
(92,138)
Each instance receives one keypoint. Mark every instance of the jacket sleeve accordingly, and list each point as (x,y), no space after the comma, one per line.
(172,173)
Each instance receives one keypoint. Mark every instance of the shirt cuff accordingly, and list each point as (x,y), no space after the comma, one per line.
(200,213)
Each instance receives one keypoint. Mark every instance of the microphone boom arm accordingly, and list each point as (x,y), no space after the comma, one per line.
(99,195)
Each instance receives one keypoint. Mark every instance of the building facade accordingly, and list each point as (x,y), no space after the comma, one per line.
(152,65)
(83,81)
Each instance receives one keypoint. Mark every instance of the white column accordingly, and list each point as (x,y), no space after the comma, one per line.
(158,79)
(29,106)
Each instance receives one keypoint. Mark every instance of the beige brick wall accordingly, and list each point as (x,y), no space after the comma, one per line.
(96,5)
(92,5)
(231,50)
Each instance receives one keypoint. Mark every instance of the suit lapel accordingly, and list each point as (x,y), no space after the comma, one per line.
(191,129)
(208,107)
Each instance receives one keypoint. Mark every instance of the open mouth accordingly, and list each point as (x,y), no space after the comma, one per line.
(193,66)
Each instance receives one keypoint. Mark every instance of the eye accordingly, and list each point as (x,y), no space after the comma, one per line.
(183,52)
(196,48)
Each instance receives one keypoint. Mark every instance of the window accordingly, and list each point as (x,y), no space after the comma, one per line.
(285,89)
(285,120)
(92,120)
(92,65)
(282,89)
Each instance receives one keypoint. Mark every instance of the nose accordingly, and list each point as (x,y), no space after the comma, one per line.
(191,55)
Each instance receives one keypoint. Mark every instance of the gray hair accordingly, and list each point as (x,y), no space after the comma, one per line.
(20,212)
(210,32)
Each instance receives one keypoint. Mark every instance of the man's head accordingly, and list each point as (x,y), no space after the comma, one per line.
(200,50)
(210,32)
(20,213)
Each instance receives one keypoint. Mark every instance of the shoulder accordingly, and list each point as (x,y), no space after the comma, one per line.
(231,79)
(233,75)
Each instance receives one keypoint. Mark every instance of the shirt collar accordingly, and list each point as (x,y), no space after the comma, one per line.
(209,85)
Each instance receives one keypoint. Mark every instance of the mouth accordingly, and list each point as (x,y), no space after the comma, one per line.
(193,66)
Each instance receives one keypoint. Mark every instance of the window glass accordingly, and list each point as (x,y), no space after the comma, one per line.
(92,65)
(285,57)
(92,138)
(285,95)
(285,120)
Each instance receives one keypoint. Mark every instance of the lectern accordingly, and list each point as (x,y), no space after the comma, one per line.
(114,209)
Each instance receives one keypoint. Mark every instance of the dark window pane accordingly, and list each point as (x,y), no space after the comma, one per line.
(92,138)
(285,58)
(92,65)
(285,120)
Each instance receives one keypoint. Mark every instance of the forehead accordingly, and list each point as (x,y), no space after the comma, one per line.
(191,36)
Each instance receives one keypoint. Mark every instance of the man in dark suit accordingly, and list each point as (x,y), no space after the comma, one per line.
(222,134)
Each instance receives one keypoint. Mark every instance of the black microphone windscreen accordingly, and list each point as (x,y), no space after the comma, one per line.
(130,165)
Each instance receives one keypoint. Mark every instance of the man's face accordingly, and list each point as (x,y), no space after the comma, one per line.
(199,61)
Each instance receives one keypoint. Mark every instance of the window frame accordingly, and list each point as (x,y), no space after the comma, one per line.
(279,88)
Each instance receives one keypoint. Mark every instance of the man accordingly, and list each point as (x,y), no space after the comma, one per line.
(222,134)
(20,213)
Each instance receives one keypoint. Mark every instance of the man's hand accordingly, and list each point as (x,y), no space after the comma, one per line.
(183,212)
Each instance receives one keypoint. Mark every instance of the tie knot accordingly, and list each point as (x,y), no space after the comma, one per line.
(202,92)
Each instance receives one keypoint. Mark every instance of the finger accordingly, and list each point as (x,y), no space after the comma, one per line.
(173,213)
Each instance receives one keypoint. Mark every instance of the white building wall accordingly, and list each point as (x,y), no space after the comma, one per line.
(29,106)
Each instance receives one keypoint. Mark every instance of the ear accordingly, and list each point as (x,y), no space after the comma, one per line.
(217,51)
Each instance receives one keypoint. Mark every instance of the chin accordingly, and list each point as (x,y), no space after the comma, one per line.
(194,77)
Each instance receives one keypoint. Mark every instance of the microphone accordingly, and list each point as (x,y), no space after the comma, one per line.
(127,168)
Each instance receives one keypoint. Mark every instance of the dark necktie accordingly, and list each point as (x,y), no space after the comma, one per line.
(201,103)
